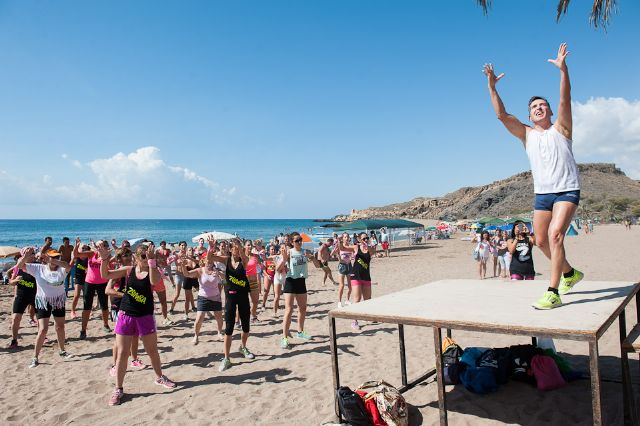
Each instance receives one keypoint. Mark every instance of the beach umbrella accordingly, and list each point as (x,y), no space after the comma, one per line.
(8,251)
(309,239)
(218,235)
(136,242)
(442,226)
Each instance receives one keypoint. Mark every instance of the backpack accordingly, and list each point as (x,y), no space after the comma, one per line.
(478,379)
(521,356)
(500,360)
(352,407)
(546,372)
(391,404)
(451,366)
(372,408)
(476,253)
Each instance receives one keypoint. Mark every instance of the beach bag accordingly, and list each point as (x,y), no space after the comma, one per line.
(476,253)
(451,366)
(521,357)
(546,372)
(372,408)
(352,407)
(481,380)
(500,360)
(391,404)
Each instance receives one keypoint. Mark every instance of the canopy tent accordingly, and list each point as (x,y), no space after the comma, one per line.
(521,219)
(394,226)
(376,224)
(571,231)
(491,221)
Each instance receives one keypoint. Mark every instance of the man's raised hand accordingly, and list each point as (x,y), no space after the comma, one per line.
(492,79)
(561,60)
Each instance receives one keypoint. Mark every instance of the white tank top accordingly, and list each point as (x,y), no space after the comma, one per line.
(552,164)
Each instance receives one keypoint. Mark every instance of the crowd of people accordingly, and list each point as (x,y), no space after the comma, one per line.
(229,281)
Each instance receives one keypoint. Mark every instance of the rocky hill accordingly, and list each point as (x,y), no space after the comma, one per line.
(606,193)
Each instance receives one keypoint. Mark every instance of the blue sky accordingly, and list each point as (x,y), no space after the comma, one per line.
(273,109)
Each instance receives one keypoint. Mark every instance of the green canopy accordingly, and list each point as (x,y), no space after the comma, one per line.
(375,224)
(491,221)
(515,219)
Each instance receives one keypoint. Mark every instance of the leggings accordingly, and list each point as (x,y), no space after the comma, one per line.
(231,302)
(89,293)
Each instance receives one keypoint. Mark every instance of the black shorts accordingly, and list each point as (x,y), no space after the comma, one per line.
(89,291)
(46,313)
(207,305)
(295,286)
(190,284)
(21,301)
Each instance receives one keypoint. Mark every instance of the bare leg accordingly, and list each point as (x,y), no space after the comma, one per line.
(562,215)
(255,299)
(218,317)
(105,317)
(15,325)
(366,292)
(123,343)
(480,268)
(288,311)
(175,298)
(341,287)
(59,324)
(43,327)
(348,288)
(150,342)
(301,300)
(197,325)
(277,290)
(265,294)
(162,297)
(357,293)
(134,347)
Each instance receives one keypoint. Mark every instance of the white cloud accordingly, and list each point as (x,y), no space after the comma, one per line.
(139,178)
(608,130)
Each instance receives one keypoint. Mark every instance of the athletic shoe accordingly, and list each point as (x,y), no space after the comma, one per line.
(238,327)
(83,335)
(347,303)
(113,372)
(246,352)
(116,397)
(14,344)
(220,336)
(167,321)
(225,364)
(138,364)
(65,354)
(171,312)
(549,300)
(355,325)
(254,320)
(303,335)
(164,381)
(340,305)
(34,363)
(33,323)
(195,340)
(106,329)
(186,317)
(284,343)
(566,284)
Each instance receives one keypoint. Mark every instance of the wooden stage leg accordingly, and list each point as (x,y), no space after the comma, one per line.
(334,364)
(442,394)
(403,355)
(596,396)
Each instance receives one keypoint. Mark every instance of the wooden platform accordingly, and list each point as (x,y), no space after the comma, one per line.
(499,306)
(496,306)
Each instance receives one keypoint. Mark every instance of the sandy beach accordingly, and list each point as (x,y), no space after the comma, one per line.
(295,386)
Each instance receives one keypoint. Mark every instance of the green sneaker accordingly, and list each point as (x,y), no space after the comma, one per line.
(284,343)
(246,352)
(566,284)
(303,335)
(549,300)
(224,365)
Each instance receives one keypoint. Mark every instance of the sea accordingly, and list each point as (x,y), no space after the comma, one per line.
(21,233)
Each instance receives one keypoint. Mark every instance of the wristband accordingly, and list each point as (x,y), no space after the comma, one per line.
(152,263)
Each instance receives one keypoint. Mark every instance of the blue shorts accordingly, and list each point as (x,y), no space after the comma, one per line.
(546,201)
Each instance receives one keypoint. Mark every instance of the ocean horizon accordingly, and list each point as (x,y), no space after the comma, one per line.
(23,232)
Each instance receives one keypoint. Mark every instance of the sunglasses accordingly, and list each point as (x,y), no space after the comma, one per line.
(365,239)
(297,240)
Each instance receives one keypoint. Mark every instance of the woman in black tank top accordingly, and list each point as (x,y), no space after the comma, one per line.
(236,291)
(521,248)
(361,271)
(136,318)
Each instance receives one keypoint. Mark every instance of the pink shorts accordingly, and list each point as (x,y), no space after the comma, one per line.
(135,326)
(518,277)
(362,283)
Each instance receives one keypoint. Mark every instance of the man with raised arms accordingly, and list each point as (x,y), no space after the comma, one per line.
(555,174)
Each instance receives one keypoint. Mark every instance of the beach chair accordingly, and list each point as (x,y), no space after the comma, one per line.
(629,345)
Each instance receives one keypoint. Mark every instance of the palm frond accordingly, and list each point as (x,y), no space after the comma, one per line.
(485,5)
(601,11)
